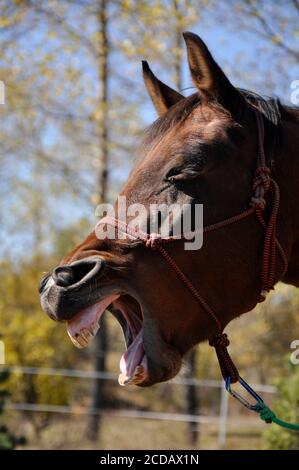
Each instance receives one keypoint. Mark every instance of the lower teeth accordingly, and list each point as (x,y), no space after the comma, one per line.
(136,378)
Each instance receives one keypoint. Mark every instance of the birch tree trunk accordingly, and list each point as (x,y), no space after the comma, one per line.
(191,396)
(101,340)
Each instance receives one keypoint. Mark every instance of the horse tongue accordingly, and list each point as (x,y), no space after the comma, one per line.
(133,363)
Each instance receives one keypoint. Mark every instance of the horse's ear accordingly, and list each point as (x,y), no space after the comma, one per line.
(163,97)
(207,76)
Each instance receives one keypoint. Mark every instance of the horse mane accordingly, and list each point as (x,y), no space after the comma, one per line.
(274,112)
(271,107)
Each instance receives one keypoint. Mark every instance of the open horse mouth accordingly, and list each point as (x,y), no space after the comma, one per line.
(83,327)
(71,294)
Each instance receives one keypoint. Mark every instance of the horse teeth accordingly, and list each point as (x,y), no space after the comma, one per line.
(133,379)
(128,380)
(94,328)
(87,335)
(123,380)
(82,339)
(139,370)
(75,342)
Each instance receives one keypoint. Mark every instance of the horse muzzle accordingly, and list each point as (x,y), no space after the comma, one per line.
(71,287)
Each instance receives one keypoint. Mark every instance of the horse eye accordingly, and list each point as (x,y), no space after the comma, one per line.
(172,174)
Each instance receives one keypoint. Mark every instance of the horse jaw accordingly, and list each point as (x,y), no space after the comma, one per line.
(84,326)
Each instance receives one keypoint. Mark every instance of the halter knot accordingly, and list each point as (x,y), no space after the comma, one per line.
(261,185)
(262,178)
(228,369)
(258,203)
(219,341)
(153,241)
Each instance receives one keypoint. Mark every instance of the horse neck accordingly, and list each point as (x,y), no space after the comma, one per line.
(287,175)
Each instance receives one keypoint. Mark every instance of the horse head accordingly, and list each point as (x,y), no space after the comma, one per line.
(201,150)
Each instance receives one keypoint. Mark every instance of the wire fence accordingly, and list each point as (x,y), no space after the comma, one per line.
(220,419)
(90,374)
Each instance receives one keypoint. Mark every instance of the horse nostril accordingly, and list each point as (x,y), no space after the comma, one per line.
(43,283)
(78,272)
(63,276)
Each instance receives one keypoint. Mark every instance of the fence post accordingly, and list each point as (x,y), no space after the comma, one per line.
(223,418)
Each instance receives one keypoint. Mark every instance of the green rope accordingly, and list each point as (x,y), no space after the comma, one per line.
(267,415)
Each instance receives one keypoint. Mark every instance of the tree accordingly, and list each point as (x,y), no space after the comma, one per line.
(101,340)
(287,409)
(7,440)
(191,395)
(26,333)
(52,96)
(271,29)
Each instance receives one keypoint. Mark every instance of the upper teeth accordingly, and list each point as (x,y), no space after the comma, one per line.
(83,338)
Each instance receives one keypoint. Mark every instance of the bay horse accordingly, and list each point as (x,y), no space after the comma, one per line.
(228,149)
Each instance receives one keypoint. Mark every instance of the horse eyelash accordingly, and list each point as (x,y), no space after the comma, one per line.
(194,165)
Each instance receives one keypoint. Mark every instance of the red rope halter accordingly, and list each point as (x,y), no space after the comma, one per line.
(262,185)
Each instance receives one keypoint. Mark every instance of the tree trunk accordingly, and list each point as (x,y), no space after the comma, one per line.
(101,341)
(192,402)
(191,397)
(177,46)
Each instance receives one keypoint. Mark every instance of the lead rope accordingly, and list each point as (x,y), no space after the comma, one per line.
(262,185)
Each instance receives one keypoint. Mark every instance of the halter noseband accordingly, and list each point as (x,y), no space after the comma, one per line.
(263,184)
